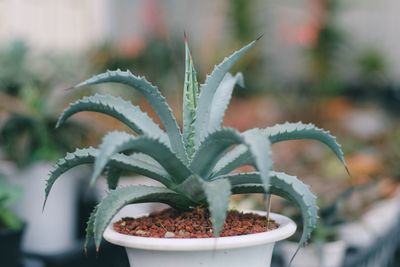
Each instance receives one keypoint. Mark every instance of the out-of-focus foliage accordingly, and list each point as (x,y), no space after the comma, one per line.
(372,67)
(324,51)
(29,105)
(154,56)
(242,18)
(8,195)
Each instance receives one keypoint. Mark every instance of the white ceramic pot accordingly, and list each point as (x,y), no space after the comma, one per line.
(331,254)
(53,230)
(253,250)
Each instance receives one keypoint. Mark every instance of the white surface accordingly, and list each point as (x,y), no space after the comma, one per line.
(50,25)
(332,254)
(362,233)
(253,250)
(53,230)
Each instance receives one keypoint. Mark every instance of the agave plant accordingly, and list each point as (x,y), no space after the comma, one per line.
(195,165)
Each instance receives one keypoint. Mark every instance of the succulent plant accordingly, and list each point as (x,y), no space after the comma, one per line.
(194,166)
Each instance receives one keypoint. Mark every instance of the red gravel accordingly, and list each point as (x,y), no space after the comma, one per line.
(192,224)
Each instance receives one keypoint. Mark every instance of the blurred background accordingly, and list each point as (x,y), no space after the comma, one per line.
(334,63)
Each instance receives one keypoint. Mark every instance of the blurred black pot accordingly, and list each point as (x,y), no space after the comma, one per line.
(10,247)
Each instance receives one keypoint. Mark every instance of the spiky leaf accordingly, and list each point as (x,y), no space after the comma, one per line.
(113,175)
(136,163)
(260,151)
(116,142)
(233,159)
(222,98)
(281,132)
(155,99)
(190,95)
(208,90)
(89,228)
(213,148)
(218,194)
(118,108)
(192,188)
(117,199)
(299,130)
(286,186)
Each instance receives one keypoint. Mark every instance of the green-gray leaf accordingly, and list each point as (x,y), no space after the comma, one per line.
(155,99)
(283,185)
(116,142)
(222,98)
(135,163)
(233,159)
(281,132)
(299,130)
(113,175)
(212,149)
(208,90)
(218,194)
(215,145)
(89,228)
(260,151)
(190,95)
(117,199)
(118,108)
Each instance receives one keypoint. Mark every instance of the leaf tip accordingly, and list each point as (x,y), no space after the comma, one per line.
(259,37)
(348,171)
(93,179)
(44,204)
(58,124)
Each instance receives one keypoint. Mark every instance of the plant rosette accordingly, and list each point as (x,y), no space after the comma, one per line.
(194,165)
(237,251)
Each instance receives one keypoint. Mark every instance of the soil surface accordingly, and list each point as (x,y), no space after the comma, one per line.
(196,223)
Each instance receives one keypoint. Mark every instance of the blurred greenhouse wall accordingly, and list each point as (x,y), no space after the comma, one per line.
(366,24)
(288,26)
(54,25)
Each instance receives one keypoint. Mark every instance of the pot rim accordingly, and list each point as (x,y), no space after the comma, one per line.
(286,228)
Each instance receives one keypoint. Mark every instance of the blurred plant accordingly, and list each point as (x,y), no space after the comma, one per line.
(242,17)
(323,50)
(142,54)
(372,67)
(8,195)
(153,55)
(26,116)
(15,73)
(392,153)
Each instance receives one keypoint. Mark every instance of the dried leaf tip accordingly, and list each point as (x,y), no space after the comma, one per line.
(259,37)
(348,171)
(44,203)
